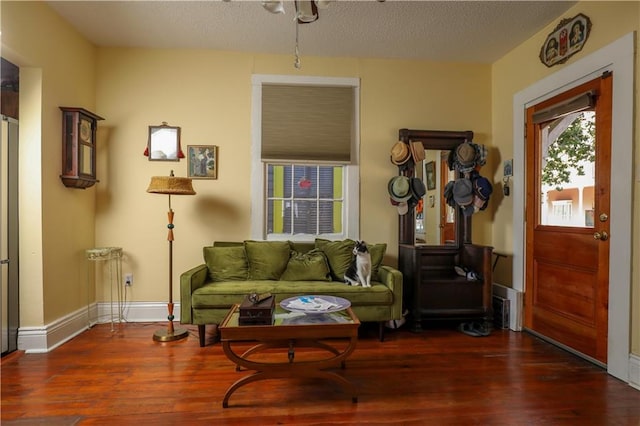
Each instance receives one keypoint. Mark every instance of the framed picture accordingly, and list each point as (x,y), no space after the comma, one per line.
(430,174)
(566,40)
(508,168)
(164,143)
(203,161)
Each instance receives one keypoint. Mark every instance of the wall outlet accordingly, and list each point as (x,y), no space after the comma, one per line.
(128,280)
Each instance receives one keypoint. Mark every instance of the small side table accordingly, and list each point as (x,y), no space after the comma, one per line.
(112,256)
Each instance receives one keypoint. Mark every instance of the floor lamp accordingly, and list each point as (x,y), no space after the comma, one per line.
(170,185)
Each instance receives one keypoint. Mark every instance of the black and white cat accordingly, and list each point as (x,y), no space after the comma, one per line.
(359,271)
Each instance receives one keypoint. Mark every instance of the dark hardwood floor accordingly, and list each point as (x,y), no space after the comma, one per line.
(437,377)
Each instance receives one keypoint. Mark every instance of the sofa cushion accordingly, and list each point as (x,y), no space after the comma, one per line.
(339,254)
(267,260)
(225,294)
(377,252)
(302,246)
(310,266)
(226,263)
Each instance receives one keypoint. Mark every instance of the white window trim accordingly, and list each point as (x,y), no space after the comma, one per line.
(351,219)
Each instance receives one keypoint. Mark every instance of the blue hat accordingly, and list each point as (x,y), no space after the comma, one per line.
(482,187)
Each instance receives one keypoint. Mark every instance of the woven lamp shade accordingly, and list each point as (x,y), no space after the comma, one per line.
(171,185)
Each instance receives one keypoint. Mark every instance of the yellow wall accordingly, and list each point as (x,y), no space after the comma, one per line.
(520,69)
(208,94)
(56,223)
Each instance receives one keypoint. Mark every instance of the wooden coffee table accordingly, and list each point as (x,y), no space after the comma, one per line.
(295,331)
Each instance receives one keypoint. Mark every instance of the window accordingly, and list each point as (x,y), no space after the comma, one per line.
(304,199)
(305,162)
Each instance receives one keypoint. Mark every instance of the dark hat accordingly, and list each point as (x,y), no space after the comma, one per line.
(399,188)
(482,187)
(466,154)
(417,187)
(463,192)
(448,193)
(400,153)
(417,191)
(451,159)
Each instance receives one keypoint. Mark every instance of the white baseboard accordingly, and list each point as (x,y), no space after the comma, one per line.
(634,371)
(48,337)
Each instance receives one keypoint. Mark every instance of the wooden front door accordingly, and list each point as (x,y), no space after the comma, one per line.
(567,217)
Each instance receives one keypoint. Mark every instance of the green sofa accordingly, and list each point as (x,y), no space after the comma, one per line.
(231,270)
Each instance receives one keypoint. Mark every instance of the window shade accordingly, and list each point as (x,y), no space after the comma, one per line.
(307,123)
(579,103)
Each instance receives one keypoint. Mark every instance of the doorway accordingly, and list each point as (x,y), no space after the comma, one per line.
(568,158)
(9,318)
(617,57)
(9,272)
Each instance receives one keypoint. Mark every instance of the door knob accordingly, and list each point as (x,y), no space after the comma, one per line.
(603,236)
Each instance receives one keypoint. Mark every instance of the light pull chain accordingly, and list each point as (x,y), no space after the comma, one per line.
(297,64)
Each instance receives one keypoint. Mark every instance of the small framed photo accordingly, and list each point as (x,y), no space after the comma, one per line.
(164,143)
(430,174)
(508,168)
(203,161)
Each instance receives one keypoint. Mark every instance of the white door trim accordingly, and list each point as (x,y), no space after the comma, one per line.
(617,57)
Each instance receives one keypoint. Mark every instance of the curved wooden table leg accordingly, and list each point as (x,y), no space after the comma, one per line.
(239,383)
(305,369)
(278,344)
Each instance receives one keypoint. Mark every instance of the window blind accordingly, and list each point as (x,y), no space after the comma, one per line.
(576,104)
(307,123)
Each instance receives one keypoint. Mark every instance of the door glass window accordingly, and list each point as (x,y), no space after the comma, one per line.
(567,170)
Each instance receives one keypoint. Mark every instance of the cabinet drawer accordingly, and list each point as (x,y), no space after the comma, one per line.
(451,294)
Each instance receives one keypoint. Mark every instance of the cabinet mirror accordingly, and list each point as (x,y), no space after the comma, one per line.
(434,223)
(435,220)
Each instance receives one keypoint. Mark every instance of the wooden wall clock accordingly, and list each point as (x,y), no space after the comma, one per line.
(79,147)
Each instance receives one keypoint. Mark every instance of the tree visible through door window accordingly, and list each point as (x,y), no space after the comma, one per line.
(567,175)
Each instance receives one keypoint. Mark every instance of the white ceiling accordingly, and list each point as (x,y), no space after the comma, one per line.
(458,31)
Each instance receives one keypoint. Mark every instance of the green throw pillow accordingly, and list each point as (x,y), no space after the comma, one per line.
(226,263)
(377,252)
(339,254)
(310,266)
(267,259)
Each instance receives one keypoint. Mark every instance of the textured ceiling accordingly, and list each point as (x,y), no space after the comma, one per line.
(459,31)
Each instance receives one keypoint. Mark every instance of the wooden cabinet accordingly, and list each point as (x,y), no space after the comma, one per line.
(432,288)
(78,147)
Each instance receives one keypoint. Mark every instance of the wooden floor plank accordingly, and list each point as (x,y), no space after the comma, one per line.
(437,377)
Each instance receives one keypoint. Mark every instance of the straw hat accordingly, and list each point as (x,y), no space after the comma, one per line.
(400,153)
(417,151)
(399,188)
